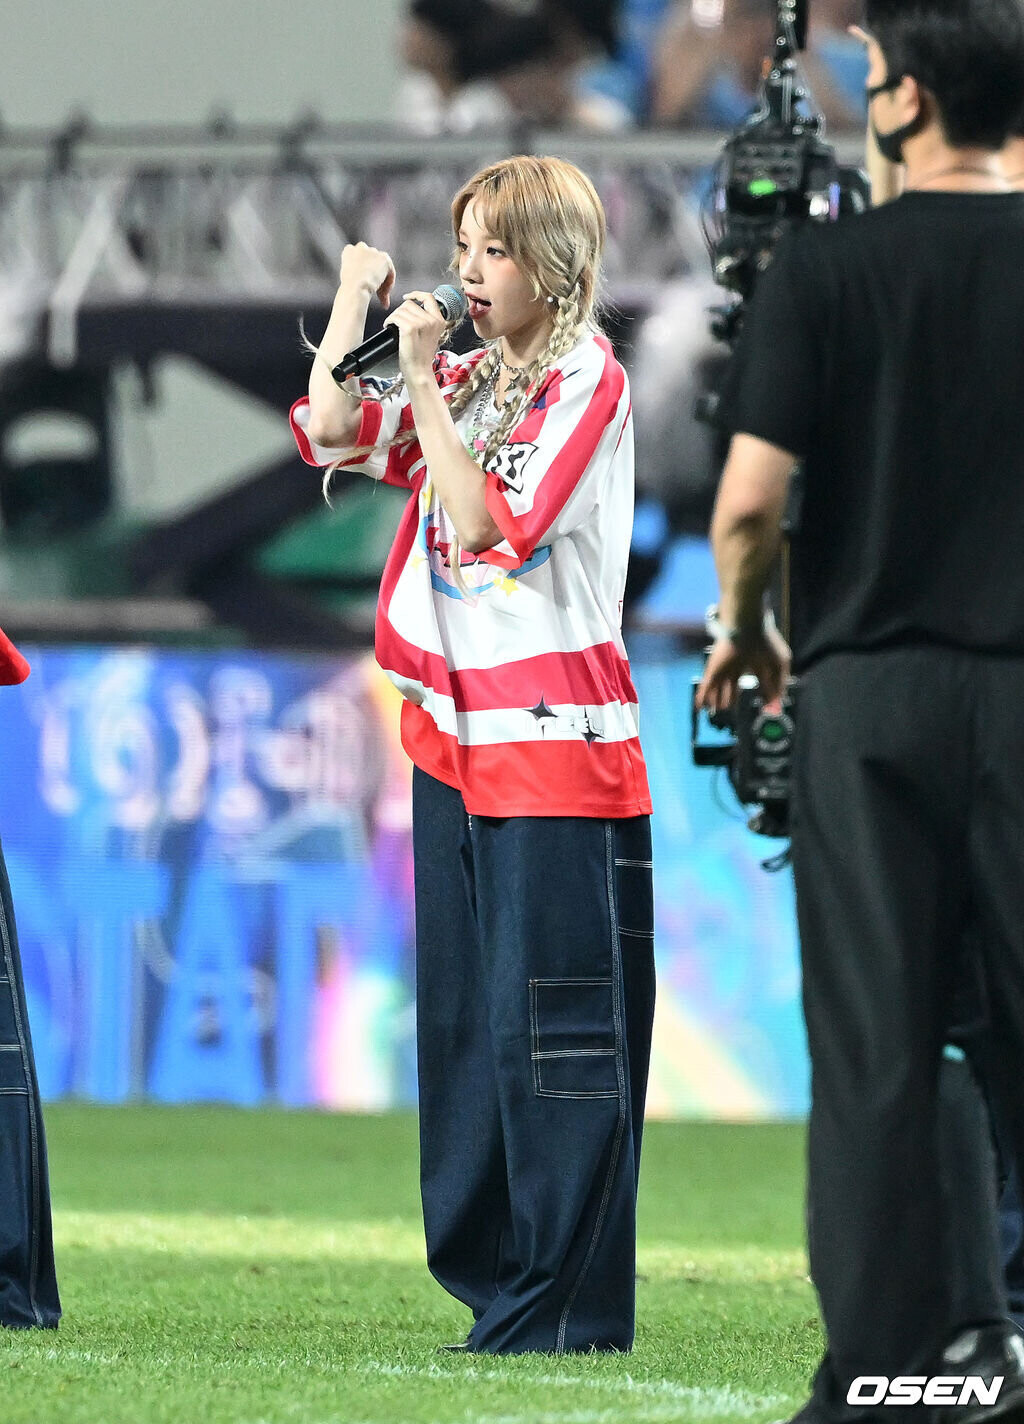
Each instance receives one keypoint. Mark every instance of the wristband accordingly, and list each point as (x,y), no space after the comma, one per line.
(719,631)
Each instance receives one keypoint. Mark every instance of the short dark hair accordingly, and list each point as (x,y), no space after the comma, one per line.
(969,54)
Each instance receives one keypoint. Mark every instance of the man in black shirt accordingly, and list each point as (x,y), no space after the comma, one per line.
(885,354)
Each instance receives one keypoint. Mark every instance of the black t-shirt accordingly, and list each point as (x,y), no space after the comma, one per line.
(887,351)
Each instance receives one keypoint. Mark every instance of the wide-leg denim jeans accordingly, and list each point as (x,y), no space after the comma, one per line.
(535,1002)
(28,1282)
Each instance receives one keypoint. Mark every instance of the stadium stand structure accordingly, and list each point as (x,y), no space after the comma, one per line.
(126,246)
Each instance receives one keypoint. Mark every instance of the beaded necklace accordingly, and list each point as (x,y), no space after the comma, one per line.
(485,417)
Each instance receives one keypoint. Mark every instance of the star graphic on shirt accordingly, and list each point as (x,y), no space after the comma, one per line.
(541,711)
(589,735)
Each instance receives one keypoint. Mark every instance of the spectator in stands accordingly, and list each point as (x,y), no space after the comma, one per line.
(834,62)
(447,90)
(487,63)
(711,55)
(627,77)
(709,60)
(588,42)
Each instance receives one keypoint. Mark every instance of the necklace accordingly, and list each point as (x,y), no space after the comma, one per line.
(484,417)
(512,370)
(962,168)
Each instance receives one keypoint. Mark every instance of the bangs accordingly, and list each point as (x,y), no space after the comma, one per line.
(500,209)
(547,216)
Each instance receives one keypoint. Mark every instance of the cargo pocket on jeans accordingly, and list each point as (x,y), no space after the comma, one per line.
(574,1042)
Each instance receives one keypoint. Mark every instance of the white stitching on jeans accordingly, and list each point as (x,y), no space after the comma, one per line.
(565,1093)
(534,1036)
(587,983)
(621,1094)
(537,1055)
(575,1053)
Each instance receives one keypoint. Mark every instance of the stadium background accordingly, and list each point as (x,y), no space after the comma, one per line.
(204,807)
(209,846)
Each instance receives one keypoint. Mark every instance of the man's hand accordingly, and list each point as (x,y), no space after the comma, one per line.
(421,326)
(765,654)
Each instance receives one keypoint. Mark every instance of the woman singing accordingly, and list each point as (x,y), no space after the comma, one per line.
(499,620)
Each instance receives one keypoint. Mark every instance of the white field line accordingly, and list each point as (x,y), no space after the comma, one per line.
(657,1395)
(83,1357)
(648,1401)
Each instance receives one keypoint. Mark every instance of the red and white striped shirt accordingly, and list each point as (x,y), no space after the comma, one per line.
(520,695)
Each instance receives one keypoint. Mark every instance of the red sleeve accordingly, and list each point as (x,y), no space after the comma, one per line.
(380,421)
(14,666)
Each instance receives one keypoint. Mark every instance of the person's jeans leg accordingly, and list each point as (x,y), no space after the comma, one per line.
(28,1280)
(462,1158)
(551,906)
(634,888)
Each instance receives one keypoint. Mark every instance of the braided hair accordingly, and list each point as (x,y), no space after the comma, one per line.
(549,218)
(565,334)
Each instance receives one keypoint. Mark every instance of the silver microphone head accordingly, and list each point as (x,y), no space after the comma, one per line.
(452,302)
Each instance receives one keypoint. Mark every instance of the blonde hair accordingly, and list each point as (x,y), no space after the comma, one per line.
(547,215)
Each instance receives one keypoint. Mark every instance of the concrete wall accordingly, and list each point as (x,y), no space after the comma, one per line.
(174,61)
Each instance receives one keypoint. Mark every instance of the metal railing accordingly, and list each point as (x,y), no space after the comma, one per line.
(256,215)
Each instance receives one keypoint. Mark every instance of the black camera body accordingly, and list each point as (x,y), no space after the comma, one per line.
(774,175)
(775,171)
(759,754)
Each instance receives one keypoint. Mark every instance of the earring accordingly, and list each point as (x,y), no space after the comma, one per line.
(552,301)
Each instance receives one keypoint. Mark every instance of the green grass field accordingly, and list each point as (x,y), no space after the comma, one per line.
(221,1267)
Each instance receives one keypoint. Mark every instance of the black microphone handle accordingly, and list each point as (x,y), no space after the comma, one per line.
(369,354)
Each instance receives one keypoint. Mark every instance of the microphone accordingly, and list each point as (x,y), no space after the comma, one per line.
(378,348)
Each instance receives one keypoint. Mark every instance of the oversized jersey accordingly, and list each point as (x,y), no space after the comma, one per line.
(516,684)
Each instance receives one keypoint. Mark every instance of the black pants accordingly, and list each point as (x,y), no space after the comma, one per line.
(535,999)
(28,1282)
(909,826)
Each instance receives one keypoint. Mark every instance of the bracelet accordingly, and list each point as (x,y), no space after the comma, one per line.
(719,631)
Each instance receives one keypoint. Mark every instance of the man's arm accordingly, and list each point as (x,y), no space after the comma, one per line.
(745,535)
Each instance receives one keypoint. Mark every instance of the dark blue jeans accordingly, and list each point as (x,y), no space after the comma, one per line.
(535,1002)
(28,1282)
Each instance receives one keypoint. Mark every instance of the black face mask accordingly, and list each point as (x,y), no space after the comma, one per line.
(890,145)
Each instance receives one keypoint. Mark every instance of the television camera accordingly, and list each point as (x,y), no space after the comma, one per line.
(775,171)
